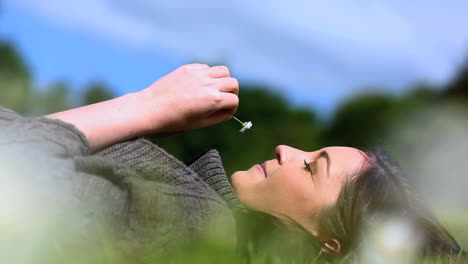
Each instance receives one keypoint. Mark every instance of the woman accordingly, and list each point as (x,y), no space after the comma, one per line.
(147,202)
(339,195)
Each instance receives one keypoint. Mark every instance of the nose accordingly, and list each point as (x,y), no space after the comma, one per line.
(282,153)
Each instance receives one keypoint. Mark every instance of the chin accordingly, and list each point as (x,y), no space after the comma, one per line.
(236,177)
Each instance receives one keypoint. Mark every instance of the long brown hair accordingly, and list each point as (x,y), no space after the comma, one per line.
(381,189)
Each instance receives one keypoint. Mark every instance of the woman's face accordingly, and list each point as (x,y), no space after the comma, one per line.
(285,188)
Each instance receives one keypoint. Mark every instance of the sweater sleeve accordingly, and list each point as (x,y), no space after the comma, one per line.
(7,115)
(45,195)
(57,137)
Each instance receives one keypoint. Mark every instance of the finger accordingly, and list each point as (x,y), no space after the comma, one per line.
(219,71)
(229,102)
(228,85)
(197,66)
(220,116)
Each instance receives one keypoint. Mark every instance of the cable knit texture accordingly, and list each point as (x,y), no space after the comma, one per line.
(210,169)
(170,202)
(151,201)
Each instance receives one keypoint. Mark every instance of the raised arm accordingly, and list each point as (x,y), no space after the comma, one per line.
(192,96)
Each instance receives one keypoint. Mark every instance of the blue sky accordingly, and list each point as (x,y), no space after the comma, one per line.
(316,53)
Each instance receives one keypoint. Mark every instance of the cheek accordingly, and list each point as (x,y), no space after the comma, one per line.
(324,195)
(305,196)
(300,190)
(291,189)
(296,182)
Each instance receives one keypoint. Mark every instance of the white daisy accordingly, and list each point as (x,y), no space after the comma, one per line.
(245,125)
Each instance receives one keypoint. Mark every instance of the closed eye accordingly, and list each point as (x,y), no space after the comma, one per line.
(308,167)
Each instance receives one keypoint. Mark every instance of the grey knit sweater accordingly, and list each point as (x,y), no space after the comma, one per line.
(133,192)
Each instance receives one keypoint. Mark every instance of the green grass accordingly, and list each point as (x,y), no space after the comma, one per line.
(273,249)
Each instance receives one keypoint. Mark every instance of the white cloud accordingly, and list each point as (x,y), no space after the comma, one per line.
(306,45)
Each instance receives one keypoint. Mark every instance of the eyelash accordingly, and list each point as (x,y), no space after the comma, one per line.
(307,167)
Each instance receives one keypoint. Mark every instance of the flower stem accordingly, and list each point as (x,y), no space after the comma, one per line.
(238,120)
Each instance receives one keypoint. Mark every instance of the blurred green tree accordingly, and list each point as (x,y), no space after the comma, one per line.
(55,98)
(360,121)
(14,79)
(369,119)
(458,87)
(95,92)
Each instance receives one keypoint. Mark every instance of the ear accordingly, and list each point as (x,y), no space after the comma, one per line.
(331,247)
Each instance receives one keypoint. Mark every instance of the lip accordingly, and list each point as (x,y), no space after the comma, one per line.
(261,169)
(264,168)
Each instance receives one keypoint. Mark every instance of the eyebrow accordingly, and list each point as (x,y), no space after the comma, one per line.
(324,154)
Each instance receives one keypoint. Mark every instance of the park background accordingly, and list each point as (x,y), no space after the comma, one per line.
(312,74)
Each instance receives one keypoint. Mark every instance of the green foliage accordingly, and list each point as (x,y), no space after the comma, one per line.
(368,119)
(458,87)
(96,92)
(360,121)
(11,62)
(14,78)
(56,97)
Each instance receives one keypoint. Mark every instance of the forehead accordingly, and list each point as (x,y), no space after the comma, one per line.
(345,160)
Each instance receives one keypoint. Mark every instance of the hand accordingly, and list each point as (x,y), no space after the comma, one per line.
(192,96)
